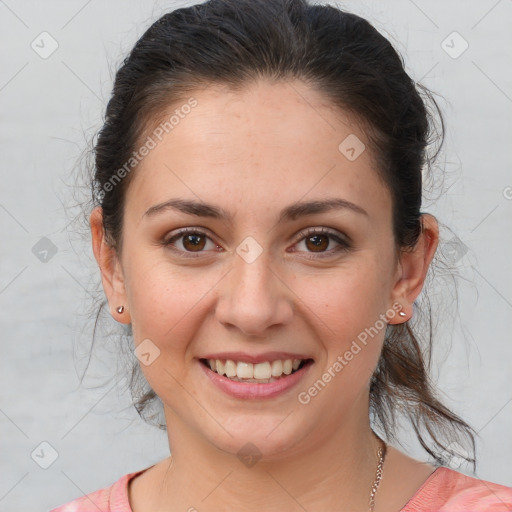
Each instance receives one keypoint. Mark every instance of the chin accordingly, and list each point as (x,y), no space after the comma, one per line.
(261,438)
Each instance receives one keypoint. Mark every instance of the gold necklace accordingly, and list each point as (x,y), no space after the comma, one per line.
(382,455)
(381,452)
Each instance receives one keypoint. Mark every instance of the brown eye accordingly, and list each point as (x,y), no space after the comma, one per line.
(194,242)
(190,242)
(317,243)
(321,242)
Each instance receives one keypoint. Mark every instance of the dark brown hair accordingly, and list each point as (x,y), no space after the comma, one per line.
(233,43)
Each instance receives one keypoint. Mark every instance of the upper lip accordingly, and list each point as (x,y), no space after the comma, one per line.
(255,358)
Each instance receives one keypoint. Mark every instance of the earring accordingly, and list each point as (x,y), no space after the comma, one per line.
(120,309)
(402,313)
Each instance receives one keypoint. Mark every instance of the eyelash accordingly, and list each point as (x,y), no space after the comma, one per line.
(343,244)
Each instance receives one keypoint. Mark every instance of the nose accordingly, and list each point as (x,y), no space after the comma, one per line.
(253,298)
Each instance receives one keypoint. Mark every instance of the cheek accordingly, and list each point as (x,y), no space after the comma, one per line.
(157,295)
(169,303)
(348,299)
(345,311)
(166,309)
(163,307)
(345,308)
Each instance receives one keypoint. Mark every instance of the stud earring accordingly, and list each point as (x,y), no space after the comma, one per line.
(120,309)
(402,313)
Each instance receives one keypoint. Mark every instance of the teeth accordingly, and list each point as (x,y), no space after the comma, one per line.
(229,368)
(262,371)
(249,372)
(244,370)
(277,368)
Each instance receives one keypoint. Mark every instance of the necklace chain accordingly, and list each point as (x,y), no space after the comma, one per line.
(382,455)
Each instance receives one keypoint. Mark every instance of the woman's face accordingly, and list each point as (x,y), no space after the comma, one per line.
(253,173)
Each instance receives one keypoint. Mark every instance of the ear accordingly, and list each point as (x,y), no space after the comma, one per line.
(110,267)
(412,269)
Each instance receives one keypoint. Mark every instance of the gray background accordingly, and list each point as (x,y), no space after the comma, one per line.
(51,106)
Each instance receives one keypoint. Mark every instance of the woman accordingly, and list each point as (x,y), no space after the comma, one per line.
(258,228)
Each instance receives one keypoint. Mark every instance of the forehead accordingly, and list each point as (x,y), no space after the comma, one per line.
(282,140)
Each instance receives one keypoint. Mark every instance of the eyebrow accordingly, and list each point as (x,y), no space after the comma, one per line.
(291,212)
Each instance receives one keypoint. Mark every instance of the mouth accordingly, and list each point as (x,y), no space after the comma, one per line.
(255,381)
(264,372)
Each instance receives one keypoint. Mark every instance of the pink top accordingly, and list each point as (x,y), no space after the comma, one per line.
(445,490)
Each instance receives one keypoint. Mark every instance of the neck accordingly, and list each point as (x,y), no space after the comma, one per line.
(339,468)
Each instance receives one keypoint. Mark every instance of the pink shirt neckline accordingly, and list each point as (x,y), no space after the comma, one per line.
(120,498)
(444,490)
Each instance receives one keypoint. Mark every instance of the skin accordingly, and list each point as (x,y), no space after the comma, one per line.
(254,152)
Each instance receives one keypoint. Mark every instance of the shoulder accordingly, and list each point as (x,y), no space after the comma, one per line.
(447,490)
(113,498)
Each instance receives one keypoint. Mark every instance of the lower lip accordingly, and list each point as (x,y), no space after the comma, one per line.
(251,390)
